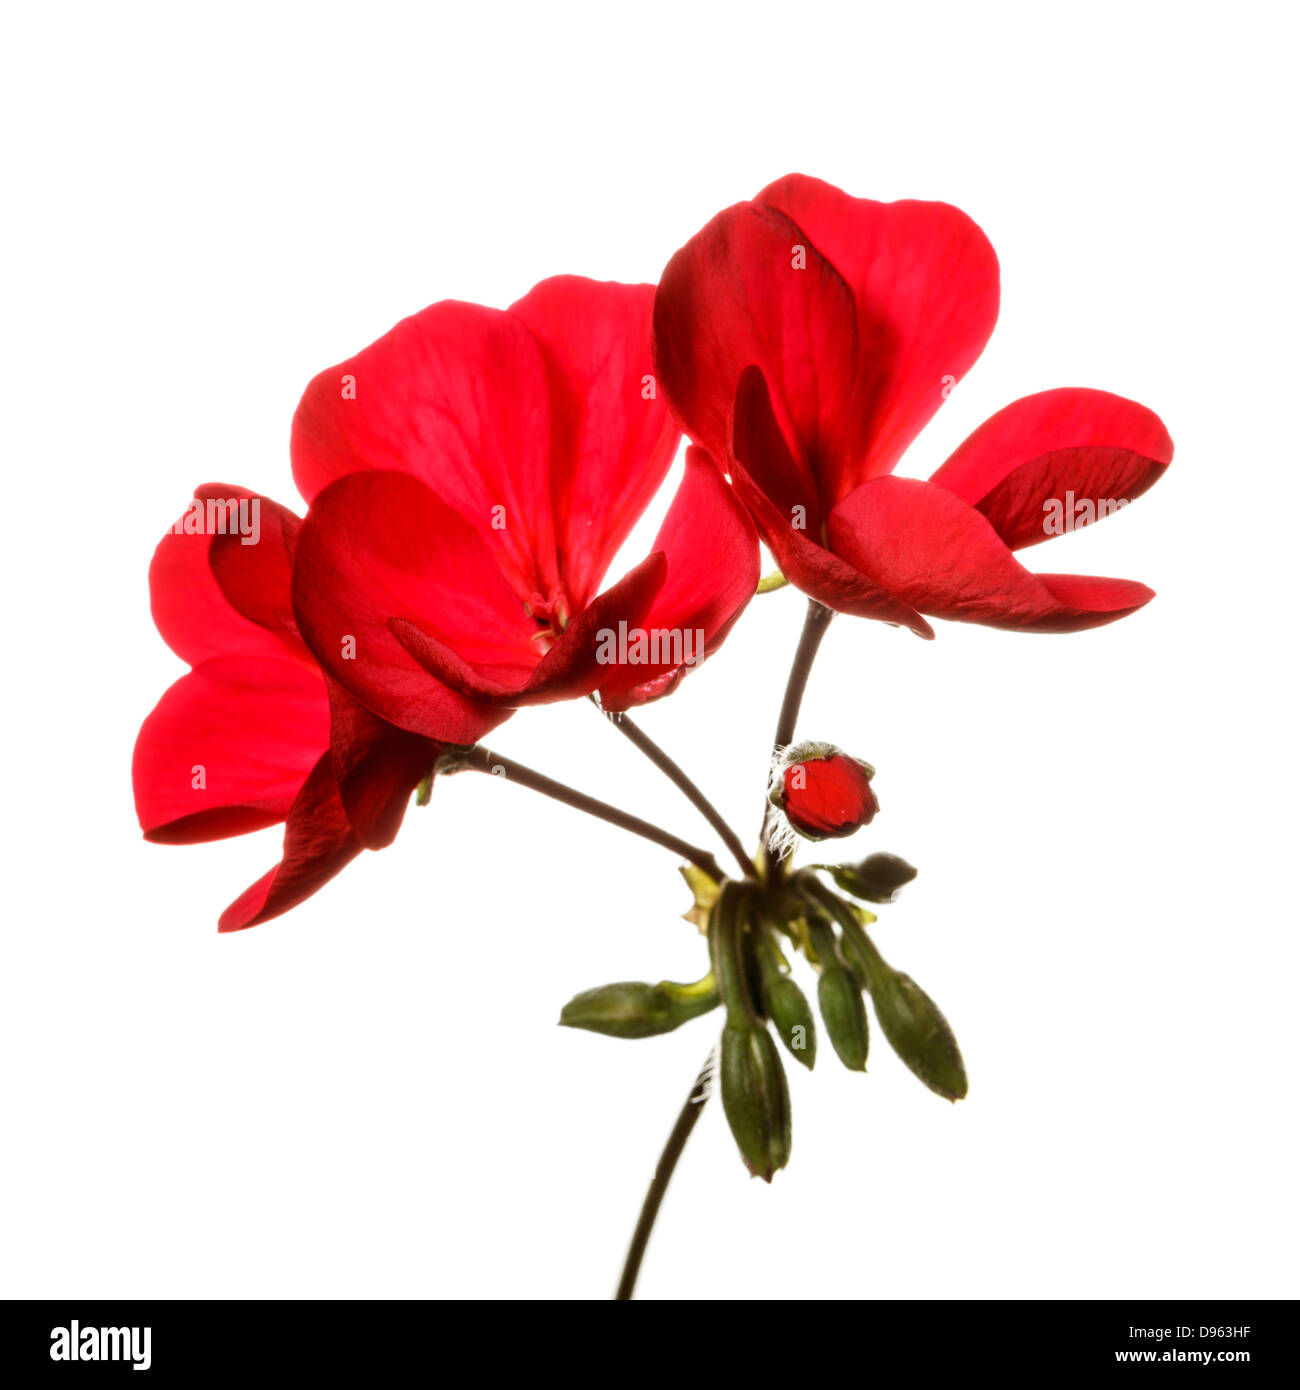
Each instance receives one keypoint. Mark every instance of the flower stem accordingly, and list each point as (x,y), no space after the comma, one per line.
(679,778)
(681,1132)
(816,621)
(480,759)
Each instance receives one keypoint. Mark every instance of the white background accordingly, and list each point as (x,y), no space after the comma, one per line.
(370,1095)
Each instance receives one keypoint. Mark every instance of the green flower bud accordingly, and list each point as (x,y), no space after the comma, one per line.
(839,996)
(879,878)
(754,1094)
(908,1017)
(853,957)
(635,1010)
(755,1097)
(918,1032)
(784,1003)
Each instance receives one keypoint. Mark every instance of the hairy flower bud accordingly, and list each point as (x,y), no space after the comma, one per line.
(631,1009)
(821,793)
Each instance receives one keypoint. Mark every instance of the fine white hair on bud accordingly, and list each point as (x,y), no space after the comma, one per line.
(708,1078)
(781,835)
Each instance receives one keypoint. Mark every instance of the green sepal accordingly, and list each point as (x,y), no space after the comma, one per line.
(770,583)
(705,892)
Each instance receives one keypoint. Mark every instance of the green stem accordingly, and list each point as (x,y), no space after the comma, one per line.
(681,1132)
(815,623)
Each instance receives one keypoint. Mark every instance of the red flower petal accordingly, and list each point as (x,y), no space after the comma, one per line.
(759,445)
(828,798)
(711,551)
(196,618)
(376,766)
(939,554)
(254,726)
(318,842)
(456,395)
(731,298)
(570,669)
(256,574)
(1098,447)
(378,545)
(611,444)
(925,279)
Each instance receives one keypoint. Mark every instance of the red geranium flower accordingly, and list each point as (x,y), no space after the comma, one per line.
(243,741)
(471,476)
(807,336)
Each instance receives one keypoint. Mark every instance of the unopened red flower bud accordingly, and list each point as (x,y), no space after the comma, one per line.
(821,792)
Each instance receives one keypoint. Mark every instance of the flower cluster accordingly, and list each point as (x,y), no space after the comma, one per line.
(468,481)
